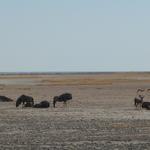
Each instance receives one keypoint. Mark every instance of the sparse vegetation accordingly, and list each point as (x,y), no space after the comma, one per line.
(100,116)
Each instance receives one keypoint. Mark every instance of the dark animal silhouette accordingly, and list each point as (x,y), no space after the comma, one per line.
(138,101)
(62,98)
(146,105)
(43,104)
(5,99)
(26,101)
(28,104)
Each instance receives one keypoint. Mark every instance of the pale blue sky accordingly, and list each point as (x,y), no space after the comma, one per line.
(74,35)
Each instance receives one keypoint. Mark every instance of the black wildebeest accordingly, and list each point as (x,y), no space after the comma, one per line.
(5,99)
(138,101)
(43,104)
(146,105)
(26,101)
(62,98)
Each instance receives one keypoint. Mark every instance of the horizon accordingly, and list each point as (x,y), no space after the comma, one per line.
(70,72)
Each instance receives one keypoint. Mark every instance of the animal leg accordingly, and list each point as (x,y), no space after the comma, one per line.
(65,103)
(23,105)
(140,105)
(54,104)
(136,105)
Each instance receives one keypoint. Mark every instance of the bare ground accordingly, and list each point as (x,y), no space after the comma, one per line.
(100,116)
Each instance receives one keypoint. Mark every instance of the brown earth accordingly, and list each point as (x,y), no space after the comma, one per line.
(100,116)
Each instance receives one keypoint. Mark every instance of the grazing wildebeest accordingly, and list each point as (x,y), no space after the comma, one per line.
(146,105)
(26,101)
(62,98)
(43,104)
(5,99)
(138,101)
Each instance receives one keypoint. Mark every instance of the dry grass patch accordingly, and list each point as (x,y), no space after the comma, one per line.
(120,125)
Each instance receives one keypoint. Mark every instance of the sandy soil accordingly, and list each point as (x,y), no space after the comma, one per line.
(100,116)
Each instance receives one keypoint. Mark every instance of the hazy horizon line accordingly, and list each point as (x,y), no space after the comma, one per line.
(67,72)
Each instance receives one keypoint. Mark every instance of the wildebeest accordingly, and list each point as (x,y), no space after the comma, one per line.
(62,98)
(138,101)
(43,104)
(5,99)
(146,105)
(26,101)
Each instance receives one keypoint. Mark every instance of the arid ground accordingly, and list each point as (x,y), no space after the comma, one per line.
(100,116)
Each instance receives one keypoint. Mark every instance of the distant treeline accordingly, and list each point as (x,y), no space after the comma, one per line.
(67,73)
(53,73)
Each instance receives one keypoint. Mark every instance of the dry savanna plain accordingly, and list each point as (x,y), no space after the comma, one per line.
(101,115)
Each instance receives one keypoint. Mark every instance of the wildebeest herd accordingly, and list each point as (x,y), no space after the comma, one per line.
(28,101)
(139,99)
